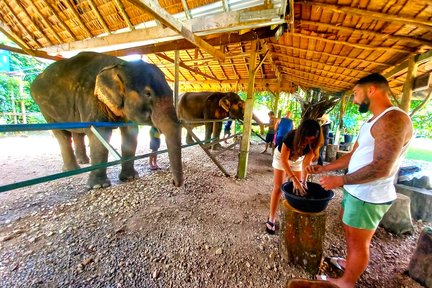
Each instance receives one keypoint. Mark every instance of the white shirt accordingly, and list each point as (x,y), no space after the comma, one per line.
(380,190)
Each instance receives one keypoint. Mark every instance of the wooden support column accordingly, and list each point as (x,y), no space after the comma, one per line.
(245,142)
(409,84)
(176,77)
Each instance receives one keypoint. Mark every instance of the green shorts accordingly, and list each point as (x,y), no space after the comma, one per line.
(360,214)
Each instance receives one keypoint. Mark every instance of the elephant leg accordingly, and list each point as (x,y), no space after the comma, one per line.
(216,134)
(208,131)
(80,149)
(64,139)
(129,143)
(98,154)
(189,139)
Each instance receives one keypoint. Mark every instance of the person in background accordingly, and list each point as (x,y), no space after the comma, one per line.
(227,130)
(325,127)
(154,147)
(282,127)
(295,152)
(368,189)
(271,132)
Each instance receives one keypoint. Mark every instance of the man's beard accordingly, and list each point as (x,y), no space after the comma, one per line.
(364,106)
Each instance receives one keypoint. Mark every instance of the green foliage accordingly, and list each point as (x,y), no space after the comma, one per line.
(421,119)
(16,85)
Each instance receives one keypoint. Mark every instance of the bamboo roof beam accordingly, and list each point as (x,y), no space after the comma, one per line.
(291,16)
(34,23)
(186,9)
(124,15)
(182,65)
(316,75)
(421,23)
(12,36)
(45,22)
(99,16)
(225,6)
(272,62)
(311,82)
(319,63)
(317,70)
(64,26)
(419,59)
(23,27)
(354,45)
(368,32)
(77,17)
(331,55)
(234,67)
(302,82)
(35,53)
(167,19)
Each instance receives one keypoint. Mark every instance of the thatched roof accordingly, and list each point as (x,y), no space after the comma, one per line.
(327,44)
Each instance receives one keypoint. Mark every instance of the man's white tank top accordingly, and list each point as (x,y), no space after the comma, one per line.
(380,190)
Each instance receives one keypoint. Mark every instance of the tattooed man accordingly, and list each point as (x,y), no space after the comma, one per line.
(372,166)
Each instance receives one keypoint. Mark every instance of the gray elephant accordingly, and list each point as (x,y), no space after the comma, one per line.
(94,87)
(211,106)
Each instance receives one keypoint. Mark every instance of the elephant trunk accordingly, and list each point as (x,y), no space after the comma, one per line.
(261,125)
(165,119)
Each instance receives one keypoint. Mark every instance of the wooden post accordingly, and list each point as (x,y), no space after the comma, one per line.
(420,266)
(245,142)
(301,237)
(176,77)
(409,84)
(14,112)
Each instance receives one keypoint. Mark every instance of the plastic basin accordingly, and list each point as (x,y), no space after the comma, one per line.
(315,201)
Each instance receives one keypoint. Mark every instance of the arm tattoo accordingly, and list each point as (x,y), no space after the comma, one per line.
(391,132)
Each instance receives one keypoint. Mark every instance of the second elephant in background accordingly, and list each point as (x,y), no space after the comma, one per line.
(211,106)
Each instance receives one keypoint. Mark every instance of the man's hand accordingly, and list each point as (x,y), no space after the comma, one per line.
(315,169)
(331,182)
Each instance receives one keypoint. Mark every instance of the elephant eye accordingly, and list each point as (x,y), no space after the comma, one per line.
(148,92)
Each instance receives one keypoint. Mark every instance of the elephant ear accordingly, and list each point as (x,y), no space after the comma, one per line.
(225,104)
(110,89)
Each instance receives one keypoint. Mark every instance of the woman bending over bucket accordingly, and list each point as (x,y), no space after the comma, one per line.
(297,150)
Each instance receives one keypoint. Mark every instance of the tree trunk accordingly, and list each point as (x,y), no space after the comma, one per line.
(301,237)
(420,266)
(331,152)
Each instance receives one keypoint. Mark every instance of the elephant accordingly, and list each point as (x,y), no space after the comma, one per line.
(95,87)
(211,106)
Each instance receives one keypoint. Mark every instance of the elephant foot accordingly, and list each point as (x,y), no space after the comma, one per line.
(83,160)
(216,146)
(70,167)
(128,175)
(98,186)
(95,182)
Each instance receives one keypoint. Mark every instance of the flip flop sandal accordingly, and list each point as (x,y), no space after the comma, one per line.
(335,263)
(270,227)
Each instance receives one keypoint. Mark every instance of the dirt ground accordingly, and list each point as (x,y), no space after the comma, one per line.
(147,233)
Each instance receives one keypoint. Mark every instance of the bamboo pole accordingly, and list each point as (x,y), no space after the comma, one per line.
(176,77)
(409,84)
(245,142)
